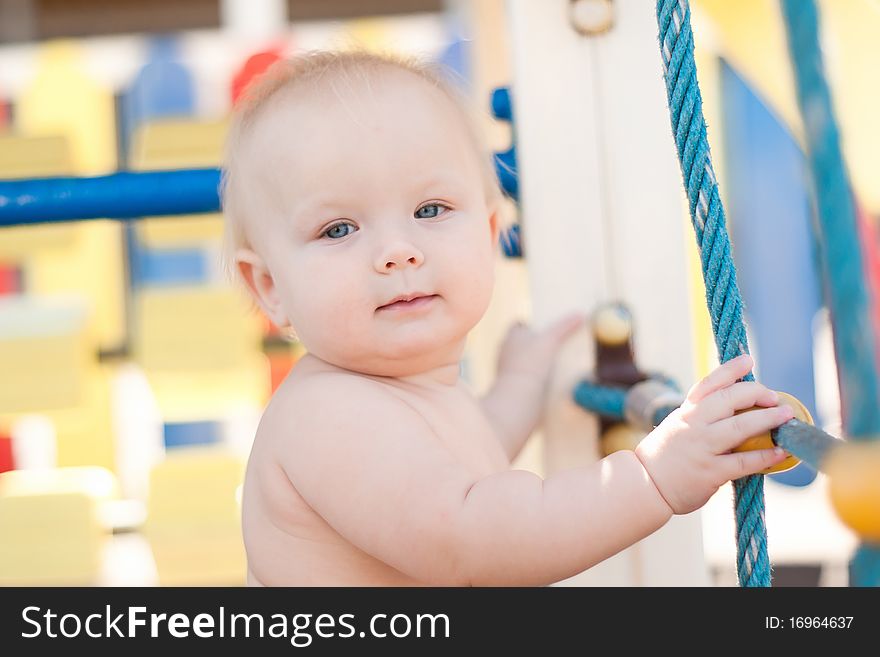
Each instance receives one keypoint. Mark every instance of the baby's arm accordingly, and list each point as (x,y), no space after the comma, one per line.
(516,401)
(376,472)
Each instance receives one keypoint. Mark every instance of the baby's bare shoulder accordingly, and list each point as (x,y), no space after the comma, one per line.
(334,434)
(339,390)
(336,405)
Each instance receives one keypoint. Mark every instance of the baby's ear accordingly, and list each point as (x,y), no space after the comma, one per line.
(495,223)
(261,284)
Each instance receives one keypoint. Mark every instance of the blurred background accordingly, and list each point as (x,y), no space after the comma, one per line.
(134,375)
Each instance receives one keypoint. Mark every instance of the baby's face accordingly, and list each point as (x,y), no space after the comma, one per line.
(369,200)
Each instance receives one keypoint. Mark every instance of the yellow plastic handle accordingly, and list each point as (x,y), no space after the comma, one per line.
(854,474)
(763,440)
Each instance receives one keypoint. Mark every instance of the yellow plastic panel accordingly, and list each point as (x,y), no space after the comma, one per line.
(34,157)
(182,396)
(180,230)
(853,60)
(45,351)
(195,485)
(51,538)
(64,101)
(50,526)
(94,269)
(42,373)
(750,34)
(193,517)
(179,144)
(194,329)
(85,434)
(206,558)
(50,367)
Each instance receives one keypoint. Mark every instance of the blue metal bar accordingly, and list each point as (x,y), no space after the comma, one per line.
(126,195)
(807,442)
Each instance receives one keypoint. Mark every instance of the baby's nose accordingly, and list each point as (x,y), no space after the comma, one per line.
(399,254)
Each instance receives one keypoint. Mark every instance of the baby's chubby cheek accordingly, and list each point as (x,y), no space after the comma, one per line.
(339,322)
(473,281)
(474,298)
(333,324)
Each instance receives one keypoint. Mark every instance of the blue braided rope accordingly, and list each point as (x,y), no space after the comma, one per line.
(864,568)
(719,274)
(842,268)
(511,242)
(838,232)
(603,400)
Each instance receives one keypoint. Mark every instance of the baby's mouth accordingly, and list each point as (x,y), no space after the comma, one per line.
(408,302)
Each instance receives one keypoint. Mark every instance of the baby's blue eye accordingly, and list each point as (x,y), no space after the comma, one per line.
(430,211)
(338,231)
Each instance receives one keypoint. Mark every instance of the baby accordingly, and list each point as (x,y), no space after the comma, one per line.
(363,214)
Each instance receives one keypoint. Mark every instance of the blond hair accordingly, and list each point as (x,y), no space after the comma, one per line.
(311,70)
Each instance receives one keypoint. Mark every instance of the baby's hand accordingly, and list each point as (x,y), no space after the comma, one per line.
(688,455)
(531,353)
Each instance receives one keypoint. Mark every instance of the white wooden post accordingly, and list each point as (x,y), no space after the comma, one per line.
(603,219)
(254,18)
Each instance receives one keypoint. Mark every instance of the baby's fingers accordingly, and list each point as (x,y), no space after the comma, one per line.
(739,396)
(727,434)
(721,377)
(740,464)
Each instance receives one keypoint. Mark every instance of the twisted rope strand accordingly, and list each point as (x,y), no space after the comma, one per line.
(722,294)
(842,268)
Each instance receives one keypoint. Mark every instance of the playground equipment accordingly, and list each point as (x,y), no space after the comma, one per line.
(626,256)
(707,214)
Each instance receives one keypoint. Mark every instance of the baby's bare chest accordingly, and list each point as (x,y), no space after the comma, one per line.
(461,427)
